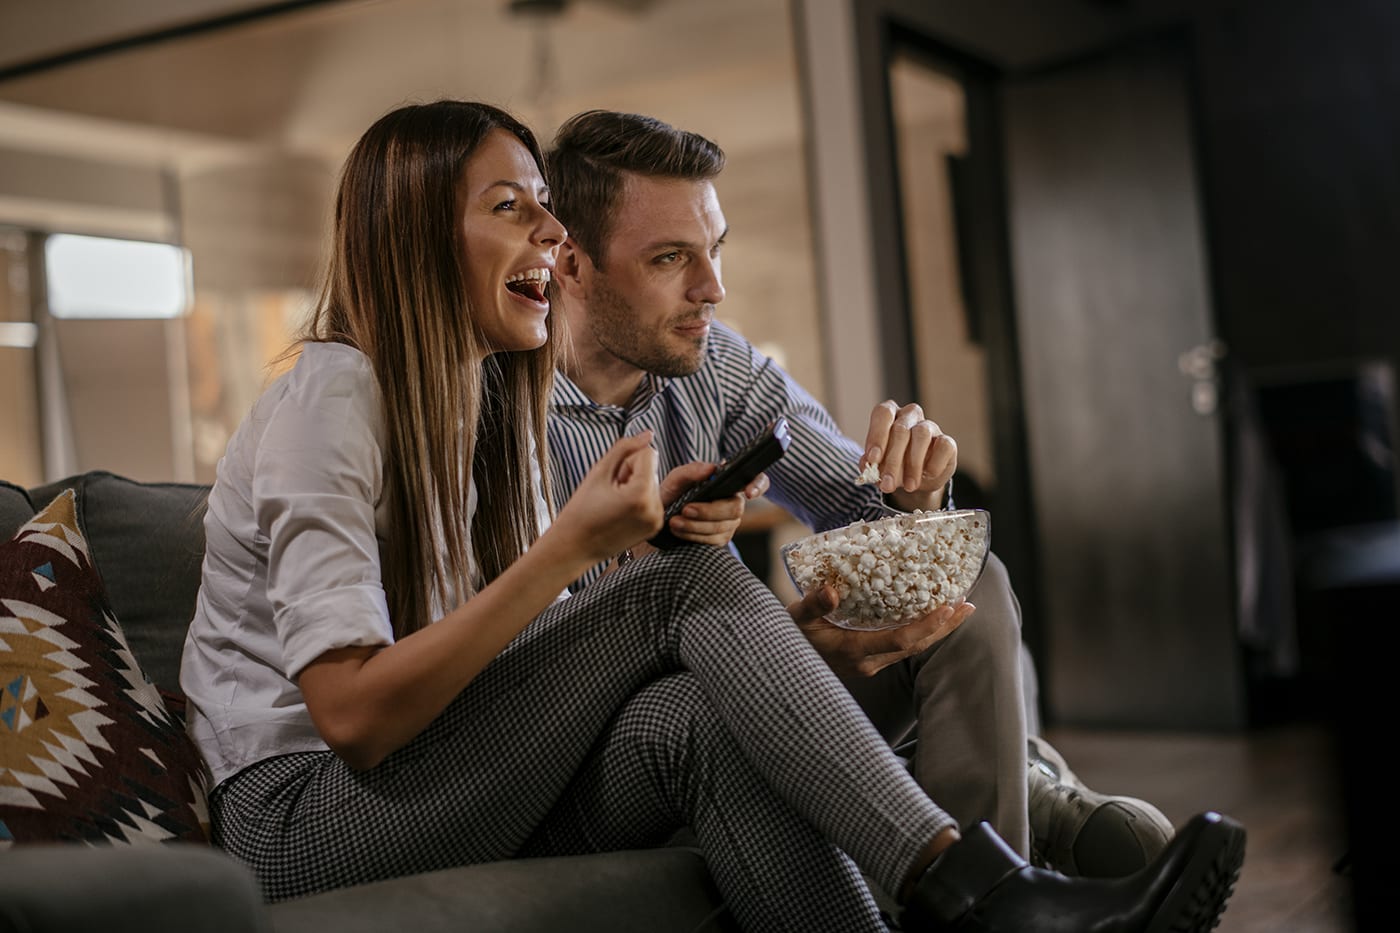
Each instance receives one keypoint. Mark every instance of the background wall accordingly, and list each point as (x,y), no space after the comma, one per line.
(228,140)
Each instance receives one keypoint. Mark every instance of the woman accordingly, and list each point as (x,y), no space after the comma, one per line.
(394,478)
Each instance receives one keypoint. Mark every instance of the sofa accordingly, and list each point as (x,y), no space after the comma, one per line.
(144,544)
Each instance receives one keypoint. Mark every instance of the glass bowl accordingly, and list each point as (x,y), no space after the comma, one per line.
(891,571)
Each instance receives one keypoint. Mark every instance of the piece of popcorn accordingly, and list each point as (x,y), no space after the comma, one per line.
(869,475)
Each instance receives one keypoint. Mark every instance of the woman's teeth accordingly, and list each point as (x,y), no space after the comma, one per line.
(530,283)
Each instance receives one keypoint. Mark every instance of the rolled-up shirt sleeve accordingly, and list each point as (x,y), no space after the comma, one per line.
(318,480)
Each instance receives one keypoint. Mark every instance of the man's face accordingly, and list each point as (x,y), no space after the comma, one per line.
(651,303)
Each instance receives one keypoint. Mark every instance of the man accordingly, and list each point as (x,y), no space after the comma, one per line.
(638,281)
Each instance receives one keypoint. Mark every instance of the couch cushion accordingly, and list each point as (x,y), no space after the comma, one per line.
(148,544)
(654,889)
(15,508)
(88,750)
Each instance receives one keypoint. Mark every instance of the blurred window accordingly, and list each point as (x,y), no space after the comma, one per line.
(99,277)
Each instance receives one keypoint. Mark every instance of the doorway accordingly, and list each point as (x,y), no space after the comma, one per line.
(943,275)
(1077,283)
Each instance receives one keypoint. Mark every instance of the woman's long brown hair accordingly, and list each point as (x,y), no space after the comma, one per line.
(394,290)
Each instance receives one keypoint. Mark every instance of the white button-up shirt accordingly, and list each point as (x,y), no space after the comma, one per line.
(294,531)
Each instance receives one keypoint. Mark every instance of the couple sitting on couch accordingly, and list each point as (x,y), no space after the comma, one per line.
(400,475)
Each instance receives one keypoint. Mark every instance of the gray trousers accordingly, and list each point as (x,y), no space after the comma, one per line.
(960,710)
(674,692)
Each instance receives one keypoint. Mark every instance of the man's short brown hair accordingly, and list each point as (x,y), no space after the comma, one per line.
(594,150)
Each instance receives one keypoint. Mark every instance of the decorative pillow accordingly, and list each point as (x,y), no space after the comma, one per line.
(88,751)
(152,587)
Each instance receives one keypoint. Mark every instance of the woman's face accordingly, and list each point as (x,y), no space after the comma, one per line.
(509,243)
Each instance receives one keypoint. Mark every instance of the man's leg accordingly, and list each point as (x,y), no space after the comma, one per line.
(1078,831)
(953,711)
(963,699)
(1030,686)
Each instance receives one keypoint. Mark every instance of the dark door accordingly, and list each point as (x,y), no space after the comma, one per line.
(1123,427)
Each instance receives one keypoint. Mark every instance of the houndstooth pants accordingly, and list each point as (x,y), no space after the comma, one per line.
(674,692)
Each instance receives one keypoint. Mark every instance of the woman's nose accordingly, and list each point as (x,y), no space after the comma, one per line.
(550,230)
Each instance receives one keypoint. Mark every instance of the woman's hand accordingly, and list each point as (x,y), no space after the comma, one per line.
(713,522)
(916,459)
(617,504)
(367,702)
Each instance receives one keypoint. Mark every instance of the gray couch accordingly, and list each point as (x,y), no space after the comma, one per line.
(147,541)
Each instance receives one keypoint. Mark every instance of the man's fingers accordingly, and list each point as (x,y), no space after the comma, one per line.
(893,439)
(878,434)
(920,635)
(730,509)
(713,522)
(893,467)
(682,478)
(813,605)
(942,460)
(758,487)
(917,460)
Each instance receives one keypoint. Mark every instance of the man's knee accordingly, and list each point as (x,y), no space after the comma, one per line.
(992,634)
(995,600)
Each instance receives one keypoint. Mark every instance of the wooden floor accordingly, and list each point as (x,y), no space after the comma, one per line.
(1280,783)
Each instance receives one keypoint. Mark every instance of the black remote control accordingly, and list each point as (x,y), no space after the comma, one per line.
(730,477)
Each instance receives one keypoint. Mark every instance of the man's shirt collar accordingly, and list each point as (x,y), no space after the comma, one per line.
(567,394)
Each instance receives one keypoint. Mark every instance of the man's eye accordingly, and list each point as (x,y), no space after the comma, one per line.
(665,259)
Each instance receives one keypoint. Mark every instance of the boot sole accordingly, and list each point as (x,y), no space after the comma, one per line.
(1197,900)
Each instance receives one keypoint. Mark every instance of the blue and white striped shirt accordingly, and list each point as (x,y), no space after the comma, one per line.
(709,415)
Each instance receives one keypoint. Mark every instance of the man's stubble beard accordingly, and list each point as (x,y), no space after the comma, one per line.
(614,325)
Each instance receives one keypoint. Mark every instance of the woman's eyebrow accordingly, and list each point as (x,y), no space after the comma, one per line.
(542,191)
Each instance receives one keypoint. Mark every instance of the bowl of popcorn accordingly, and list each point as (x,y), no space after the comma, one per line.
(891,571)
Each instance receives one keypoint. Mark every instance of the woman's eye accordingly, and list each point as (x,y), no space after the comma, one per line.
(506,205)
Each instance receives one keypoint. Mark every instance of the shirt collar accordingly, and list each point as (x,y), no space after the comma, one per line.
(567,394)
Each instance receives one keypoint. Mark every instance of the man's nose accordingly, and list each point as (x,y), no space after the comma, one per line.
(708,287)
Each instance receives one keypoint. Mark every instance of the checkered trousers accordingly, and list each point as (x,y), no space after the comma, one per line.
(675,691)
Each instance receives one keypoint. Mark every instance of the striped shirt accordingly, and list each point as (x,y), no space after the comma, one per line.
(709,415)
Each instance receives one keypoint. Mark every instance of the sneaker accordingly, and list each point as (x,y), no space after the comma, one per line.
(1081,833)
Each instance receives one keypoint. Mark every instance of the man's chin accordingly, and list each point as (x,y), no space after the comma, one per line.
(678,364)
(670,359)
(689,360)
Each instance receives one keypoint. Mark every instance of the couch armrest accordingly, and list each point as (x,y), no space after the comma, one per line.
(63,888)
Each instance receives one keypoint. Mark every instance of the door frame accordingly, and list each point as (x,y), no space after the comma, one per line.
(984,258)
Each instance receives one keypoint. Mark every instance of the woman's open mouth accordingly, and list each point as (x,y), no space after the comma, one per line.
(529,284)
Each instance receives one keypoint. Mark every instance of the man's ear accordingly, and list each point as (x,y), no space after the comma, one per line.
(571,268)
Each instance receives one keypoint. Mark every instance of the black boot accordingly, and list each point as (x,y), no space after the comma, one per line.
(980,885)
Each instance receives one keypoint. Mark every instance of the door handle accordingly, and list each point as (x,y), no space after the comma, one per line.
(1201,364)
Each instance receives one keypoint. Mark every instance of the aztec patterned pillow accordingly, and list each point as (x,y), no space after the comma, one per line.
(88,750)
